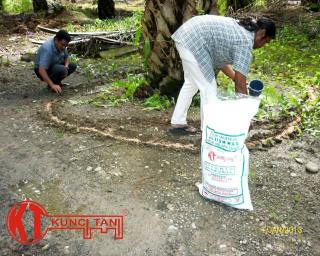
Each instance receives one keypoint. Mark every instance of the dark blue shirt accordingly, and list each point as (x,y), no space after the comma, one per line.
(48,55)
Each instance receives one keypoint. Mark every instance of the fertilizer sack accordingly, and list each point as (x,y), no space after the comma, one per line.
(224,156)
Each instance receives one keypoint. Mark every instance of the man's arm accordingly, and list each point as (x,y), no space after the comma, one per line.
(239,79)
(66,58)
(46,78)
(66,62)
(229,72)
(240,82)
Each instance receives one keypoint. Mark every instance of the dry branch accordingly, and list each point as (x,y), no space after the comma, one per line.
(90,43)
(109,40)
(85,34)
(81,41)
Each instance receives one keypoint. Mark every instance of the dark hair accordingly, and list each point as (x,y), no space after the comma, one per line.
(63,35)
(262,23)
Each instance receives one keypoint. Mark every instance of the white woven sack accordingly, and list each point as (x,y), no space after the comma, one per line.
(224,156)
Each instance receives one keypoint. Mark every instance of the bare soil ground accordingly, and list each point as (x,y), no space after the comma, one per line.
(75,171)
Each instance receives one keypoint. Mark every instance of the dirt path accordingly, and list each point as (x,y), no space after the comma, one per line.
(80,173)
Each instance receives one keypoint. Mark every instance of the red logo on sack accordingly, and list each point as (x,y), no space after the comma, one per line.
(86,223)
(211,155)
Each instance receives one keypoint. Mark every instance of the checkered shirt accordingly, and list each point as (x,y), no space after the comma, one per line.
(216,41)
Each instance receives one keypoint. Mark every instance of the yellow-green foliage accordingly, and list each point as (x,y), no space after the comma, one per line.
(17,6)
(222,6)
(289,67)
(121,24)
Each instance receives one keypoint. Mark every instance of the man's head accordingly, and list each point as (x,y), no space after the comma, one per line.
(62,39)
(265,31)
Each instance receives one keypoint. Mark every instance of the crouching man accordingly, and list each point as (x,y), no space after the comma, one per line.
(52,63)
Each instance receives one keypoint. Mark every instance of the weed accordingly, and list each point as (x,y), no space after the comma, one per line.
(74,58)
(21,109)
(146,52)
(17,6)
(132,83)
(60,133)
(222,6)
(157,102)
(137,37)
(297,197)
(5,61)
(116,24)
(289,68)
(119,92)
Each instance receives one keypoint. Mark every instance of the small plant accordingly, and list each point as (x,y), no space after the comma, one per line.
(316,78)
(17,6)
(132,83)
(114,67)
(89,71)
(74,58)
(157,102)
(5,61)
(146,52)
(137,37)
(222,6)
(297,197)
(200,11)
(21,109)
(119,92)
(60,133)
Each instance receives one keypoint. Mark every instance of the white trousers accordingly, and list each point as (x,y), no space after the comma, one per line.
(194,80)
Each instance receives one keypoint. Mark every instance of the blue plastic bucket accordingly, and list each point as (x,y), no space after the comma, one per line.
(255,88)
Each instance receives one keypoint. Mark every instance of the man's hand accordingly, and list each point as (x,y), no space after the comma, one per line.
(240,83)
(56,88)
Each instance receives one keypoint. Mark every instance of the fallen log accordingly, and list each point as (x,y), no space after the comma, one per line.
(70,43)
(84,34)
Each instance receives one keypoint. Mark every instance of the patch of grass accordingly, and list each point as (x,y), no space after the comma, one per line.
(297,197)
(74,58)
(134,5)
(60,133)
(120,24)
(130,85)
(119,92)
(20,109)
(289,68)
(157,102)
(222,6)
(17,6)
(274,215)
(292,154)
(4,61)
(253,176)
(110,68)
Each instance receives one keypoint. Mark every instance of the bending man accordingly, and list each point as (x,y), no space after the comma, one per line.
(209,43)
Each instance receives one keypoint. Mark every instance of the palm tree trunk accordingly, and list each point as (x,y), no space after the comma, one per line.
(161,19)
(106,9)
(40,5)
